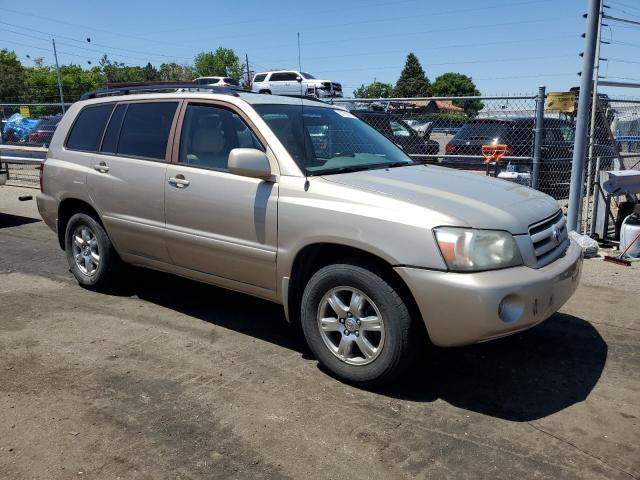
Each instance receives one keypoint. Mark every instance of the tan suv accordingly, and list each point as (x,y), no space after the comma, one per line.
(301,203)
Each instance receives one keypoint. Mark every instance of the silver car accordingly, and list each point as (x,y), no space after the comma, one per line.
(301,203)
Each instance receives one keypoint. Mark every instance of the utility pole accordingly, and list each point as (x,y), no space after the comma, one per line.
(580,143)
(246,57)
(592,129)
(55,54)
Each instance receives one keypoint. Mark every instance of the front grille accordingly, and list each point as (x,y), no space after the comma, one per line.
(550,239)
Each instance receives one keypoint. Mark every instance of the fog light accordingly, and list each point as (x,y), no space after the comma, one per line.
(511,308)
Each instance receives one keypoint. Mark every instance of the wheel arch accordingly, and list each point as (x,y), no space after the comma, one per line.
(314,256)
(69,207)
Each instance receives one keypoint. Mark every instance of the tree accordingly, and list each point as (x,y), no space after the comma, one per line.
(11,76)
(452,84)
(413,82)
(149,72)
(220,63)
(374,90)
(173,72)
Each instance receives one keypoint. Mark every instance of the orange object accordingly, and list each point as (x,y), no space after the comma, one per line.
(493,153)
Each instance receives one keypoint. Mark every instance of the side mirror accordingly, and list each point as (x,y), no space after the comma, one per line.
(249,162)
(299,79)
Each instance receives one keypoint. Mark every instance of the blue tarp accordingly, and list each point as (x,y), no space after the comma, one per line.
(19,126)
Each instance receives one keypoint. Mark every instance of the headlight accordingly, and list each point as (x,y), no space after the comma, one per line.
(467,250)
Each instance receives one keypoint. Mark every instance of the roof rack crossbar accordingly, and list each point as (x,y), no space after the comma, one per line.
(118,91)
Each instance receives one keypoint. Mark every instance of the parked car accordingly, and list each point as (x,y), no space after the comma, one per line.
(399,132)
(464,149)
(293,82)
(423,127)
(42,132)
(372,253)
(218,81)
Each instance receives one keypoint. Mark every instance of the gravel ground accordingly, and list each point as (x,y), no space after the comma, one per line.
(178,380)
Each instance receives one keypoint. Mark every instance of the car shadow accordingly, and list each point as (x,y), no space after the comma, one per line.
(523,377)
(8,220)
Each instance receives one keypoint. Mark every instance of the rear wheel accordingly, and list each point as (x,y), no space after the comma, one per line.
(90,254)
(268,92)
(357,325)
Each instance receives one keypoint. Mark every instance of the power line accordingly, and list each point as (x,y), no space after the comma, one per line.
(420,32)
(624,4)
(622,60)
(324,26)
(84,27)
(85,57)
(468,62)
(441,47)
(87,49)
(93,43)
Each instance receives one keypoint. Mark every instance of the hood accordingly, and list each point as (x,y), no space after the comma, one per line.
(318,81)
(477,201)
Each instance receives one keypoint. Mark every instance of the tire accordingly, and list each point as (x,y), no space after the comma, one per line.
(98,262)
(395,341)
(267,92)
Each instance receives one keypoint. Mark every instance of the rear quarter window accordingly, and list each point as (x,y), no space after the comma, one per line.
(260,77)
(88,128)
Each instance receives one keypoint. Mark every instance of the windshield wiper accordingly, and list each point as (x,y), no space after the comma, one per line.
(397,164)
(349,169)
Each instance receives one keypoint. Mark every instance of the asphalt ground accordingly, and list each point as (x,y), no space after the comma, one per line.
(171,379)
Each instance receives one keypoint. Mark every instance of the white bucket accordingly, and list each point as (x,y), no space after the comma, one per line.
(629,230)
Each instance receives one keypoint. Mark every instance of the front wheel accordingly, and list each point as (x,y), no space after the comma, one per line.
(357,325)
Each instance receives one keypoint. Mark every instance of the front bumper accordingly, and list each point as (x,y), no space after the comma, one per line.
(464,308)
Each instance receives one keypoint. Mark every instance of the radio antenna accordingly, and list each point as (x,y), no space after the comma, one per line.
(304,133)
(299,61)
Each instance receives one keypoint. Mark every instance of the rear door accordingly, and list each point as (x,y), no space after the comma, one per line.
(284,83)
(217,222)
(127,177)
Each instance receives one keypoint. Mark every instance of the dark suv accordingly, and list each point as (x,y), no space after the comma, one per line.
(464,149)
(400,133)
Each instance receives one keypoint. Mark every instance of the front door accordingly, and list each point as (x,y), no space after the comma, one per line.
(217,222)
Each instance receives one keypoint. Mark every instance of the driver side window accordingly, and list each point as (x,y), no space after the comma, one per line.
(209,133)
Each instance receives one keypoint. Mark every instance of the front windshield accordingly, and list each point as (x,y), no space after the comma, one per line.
(324,140)
(307,76)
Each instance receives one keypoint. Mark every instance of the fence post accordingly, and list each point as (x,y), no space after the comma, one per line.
(582,117)
(537,141)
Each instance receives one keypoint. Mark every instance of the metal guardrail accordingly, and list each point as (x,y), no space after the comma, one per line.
(22,170)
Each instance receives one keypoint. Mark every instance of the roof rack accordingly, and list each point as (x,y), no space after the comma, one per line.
(169,88)
(304,97)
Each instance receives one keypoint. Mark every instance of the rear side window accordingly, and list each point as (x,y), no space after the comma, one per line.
(483,131)
(260,77)
(231,81)
(283,77)
(145,130)
(87,130)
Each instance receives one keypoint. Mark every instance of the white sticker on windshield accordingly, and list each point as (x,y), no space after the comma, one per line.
(345,114)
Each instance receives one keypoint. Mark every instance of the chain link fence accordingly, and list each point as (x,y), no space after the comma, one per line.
(25,133)
(463,132)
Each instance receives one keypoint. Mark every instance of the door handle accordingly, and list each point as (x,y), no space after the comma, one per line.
(101,167)
(179,181)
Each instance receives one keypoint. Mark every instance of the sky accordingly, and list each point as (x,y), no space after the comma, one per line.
(506,46)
